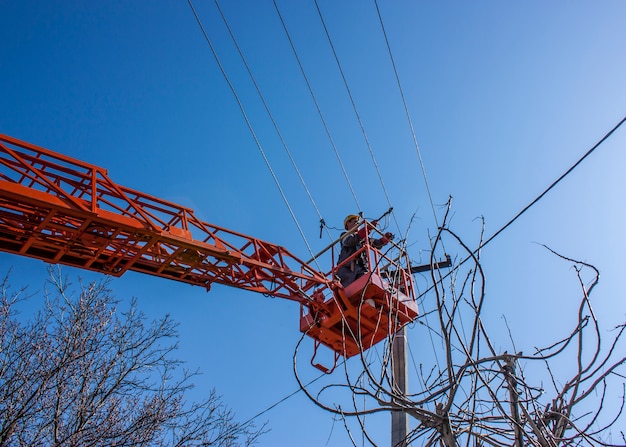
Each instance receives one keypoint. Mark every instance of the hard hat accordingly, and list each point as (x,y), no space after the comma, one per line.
(349,217)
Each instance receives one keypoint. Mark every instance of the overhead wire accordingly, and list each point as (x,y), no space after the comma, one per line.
(558,180)
(354,108)
(271,116)
(249,125)
(533,202)
(356,112)
(318,108)
(521,212)
(407,113)
(414,136)
(280,401)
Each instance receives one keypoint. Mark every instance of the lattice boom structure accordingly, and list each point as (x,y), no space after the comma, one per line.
(62,210)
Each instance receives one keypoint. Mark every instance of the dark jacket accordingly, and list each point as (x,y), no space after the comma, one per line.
(357,266)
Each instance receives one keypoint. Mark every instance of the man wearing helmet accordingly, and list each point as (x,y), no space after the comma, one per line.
(356,266)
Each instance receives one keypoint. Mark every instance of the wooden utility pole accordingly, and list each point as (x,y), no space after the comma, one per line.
(399,419)
(399,373)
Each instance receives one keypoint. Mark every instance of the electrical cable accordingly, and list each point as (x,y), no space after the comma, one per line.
(275,404)
(354,108)
(537,199)
(271,116)
(249,124)
(408,115)
(317,106)
(540,196)
(413,135)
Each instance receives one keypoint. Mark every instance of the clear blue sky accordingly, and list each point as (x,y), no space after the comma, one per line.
(504,97)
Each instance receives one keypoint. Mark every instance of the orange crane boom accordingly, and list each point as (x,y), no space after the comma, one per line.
(62,210)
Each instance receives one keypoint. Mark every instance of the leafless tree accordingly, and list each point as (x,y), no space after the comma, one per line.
(474,395)
(84,373)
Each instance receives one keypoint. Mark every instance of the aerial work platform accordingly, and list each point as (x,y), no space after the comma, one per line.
(62,210)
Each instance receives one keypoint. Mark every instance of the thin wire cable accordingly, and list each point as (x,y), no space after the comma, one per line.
(275,404)
(537,199)
(356,112)
(249,124)
(271,116)
(415,143)
(317,106)
(408,115)
(540,196)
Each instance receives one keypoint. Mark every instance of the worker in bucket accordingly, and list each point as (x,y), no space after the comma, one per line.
(356,266)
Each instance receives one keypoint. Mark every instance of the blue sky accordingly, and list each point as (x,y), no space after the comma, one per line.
(503,96)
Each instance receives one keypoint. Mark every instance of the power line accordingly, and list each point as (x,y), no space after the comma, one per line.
(354,108)
(278,402)
(540,196)
(288,396)
(416,145)
(270,115)
(250,128)
(537,199)
(317,106)
(406,111)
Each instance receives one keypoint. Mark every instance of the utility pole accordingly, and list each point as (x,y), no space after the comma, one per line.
(399,418)
(399,373)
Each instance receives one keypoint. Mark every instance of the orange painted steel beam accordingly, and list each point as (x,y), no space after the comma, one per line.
(62,210)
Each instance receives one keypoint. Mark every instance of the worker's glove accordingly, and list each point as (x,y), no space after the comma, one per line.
(362,233)
(387,237)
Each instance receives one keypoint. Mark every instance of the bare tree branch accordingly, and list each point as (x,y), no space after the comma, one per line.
(478,395)
(84,372)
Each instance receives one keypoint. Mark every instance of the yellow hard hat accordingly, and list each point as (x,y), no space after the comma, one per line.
(348,218)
